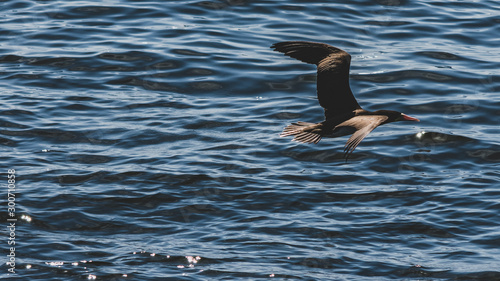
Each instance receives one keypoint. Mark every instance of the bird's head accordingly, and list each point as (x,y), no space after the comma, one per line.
(394,116)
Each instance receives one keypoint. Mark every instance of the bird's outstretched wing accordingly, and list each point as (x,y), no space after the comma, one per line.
(334,92)
(364,125)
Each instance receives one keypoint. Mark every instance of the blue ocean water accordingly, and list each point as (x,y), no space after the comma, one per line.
(144,136)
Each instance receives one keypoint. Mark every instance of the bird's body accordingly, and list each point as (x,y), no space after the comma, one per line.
(343,114)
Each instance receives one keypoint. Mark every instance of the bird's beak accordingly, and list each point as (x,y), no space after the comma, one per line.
(405,117)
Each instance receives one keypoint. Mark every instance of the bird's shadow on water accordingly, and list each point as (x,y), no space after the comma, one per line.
(410,152)
(442,148)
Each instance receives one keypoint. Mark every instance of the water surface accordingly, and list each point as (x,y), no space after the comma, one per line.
(145,140)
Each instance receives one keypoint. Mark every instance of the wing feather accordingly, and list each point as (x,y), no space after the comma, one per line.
(364,125)
(334,92)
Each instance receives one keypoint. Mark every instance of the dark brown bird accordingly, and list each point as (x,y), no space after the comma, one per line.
(343,115)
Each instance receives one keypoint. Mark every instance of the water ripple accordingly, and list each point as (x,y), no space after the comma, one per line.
(145,139)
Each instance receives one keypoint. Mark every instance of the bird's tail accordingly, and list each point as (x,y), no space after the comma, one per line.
(303,132)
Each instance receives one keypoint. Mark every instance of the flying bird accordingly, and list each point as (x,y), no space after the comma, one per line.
(343,114)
